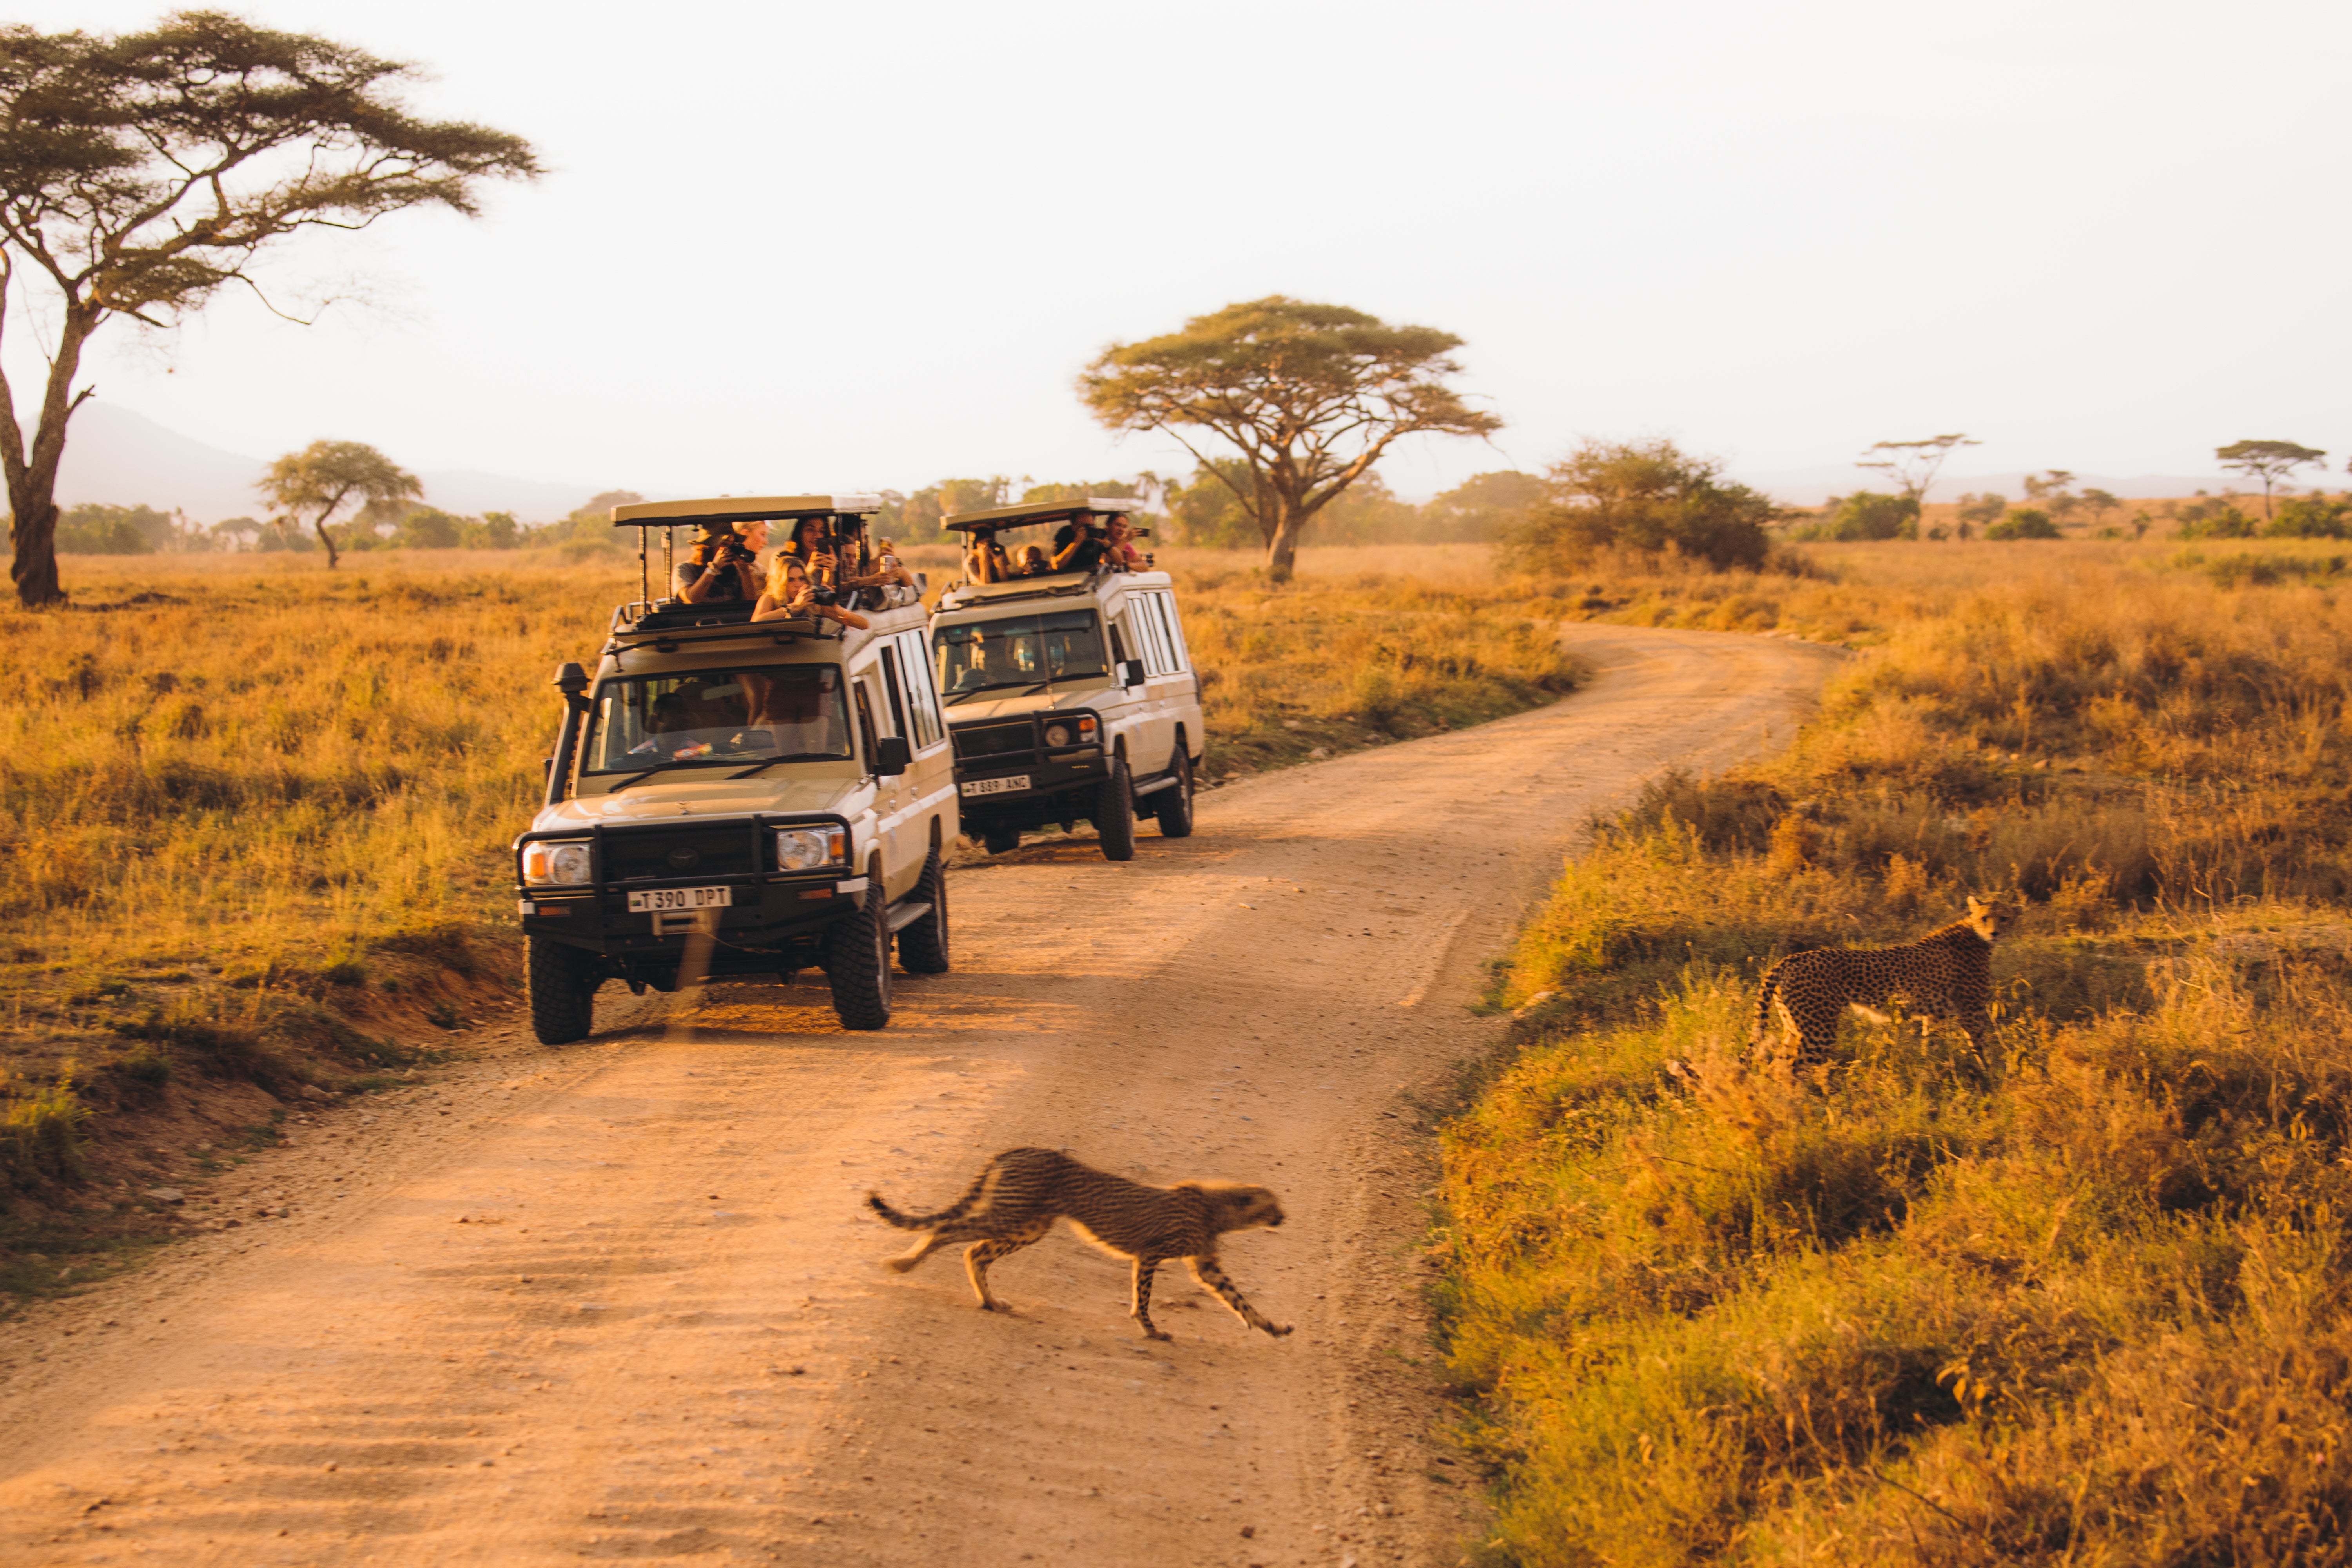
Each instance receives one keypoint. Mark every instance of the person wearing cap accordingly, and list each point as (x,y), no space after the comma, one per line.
(722,570)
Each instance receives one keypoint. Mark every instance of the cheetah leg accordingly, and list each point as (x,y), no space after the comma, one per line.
(1141,1313)
(945,1235)
(981,1254)
(1211,1278)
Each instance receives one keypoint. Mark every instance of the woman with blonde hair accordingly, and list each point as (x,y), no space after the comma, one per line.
(792,595)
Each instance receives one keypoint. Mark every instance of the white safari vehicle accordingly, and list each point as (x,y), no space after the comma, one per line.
(731,797)
(1069,691)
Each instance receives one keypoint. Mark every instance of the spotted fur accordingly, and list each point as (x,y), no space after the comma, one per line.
(1948,974)
(1019,1195)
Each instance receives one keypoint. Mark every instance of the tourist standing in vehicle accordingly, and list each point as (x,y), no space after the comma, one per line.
(722,570)
(792,595)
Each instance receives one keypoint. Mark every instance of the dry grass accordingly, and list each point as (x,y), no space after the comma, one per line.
(2082,1302)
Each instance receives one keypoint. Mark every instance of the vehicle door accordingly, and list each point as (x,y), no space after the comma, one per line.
(869,690)
(1185,707)
(1151,741)
(930,784)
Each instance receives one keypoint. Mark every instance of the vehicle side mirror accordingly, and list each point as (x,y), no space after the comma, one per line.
(573,681)
(892,756)
(1131,673)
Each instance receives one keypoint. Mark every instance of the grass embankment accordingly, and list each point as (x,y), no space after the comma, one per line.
(254,815)
(2083,1302)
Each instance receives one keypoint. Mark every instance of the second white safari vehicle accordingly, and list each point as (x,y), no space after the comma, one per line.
(731,797)
(1069,692)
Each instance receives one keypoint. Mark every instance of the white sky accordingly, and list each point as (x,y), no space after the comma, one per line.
(845,245)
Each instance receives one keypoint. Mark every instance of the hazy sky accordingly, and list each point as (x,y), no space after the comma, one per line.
(833,246)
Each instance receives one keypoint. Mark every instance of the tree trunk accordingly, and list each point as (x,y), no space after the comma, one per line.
(34,568)
(1282,542)
(327,539)
(33,478)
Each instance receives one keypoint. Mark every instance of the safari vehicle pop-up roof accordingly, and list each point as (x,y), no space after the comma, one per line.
(982,527)
(711,511)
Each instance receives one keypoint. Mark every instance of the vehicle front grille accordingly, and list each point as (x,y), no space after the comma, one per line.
(674,853)
(980,741)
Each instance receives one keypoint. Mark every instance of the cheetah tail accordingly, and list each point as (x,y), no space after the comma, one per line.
(947,1215)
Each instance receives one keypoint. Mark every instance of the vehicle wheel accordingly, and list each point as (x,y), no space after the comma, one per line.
(857,964)
(1173,807)
(1115,812)
(563,982)
(923,946)
(1000,840)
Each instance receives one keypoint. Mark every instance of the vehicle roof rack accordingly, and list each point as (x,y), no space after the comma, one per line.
(994,518)
(742,509)
(711,510)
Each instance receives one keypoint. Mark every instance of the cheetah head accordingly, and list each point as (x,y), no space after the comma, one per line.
(1235,1207)
(1991,917)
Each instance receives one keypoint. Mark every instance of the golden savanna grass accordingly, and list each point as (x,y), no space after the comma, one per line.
(2081,1302)
(253,814)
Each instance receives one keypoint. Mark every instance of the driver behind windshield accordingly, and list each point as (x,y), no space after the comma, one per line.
(992,664)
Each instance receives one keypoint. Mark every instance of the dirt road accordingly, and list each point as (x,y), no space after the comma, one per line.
(621,1301)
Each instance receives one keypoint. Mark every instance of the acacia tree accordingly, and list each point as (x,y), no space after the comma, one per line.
(1912,465)
(325,476)
(1309,396)
(141,173)
(2269,461)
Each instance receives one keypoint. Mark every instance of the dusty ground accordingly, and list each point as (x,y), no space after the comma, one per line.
(621,1301)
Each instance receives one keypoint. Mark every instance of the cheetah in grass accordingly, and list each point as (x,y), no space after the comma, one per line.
(1019,1195)
(1948,974)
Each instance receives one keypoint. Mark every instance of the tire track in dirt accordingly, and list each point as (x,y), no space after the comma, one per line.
(626,1305)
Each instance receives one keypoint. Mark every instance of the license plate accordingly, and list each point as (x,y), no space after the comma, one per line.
(996,786)
(663,899)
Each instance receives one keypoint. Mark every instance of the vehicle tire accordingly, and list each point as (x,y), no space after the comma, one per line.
(563,982)
(1000,840)
(923,945)
(1173,806)
(857,964)
(1115,812)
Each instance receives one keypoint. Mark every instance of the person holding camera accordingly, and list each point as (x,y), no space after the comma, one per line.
(793,595)
(723,570)
(809,542)
(1079,545)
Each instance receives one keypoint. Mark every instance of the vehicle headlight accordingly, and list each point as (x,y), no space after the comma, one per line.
(808,848)
(1057,734)
(555,862)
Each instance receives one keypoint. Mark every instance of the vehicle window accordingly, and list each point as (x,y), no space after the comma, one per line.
(1175,629)
(866,721)
(1149,608)
(1017,652)
(790,712)
(891,690)
(1148,634)
(925,696)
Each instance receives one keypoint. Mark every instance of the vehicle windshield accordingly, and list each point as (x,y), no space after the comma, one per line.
(782,713)
(1020,650)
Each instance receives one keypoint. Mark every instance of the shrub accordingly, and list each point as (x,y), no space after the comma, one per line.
(2216,520)
(2312,517)
(1647,498)
(2024,522)
(1866,515)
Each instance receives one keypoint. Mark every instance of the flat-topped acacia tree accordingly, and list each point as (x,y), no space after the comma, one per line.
(1309,395)
(140,172)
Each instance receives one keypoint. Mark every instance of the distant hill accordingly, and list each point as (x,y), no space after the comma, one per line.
(121,458)
(1811,486)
